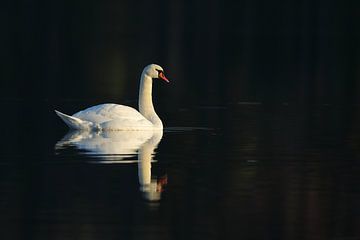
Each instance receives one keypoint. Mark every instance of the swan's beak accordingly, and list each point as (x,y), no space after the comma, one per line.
(162,76)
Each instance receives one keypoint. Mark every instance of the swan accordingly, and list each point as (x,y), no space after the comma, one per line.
(111,116)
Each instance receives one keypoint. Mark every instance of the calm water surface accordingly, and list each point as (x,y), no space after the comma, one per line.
(236,171)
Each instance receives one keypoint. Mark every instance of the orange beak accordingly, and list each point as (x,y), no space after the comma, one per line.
(162,76)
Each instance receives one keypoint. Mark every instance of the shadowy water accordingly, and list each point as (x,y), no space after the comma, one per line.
(262,139)
(243,170)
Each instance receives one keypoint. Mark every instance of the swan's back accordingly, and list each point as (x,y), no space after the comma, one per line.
(105,112)
(114,117)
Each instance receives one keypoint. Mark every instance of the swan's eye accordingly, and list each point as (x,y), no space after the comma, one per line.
(159,71)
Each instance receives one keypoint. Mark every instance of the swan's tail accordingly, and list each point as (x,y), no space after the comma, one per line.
(74,123)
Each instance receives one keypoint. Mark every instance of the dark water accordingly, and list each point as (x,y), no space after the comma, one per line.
(262,137)
(245,170)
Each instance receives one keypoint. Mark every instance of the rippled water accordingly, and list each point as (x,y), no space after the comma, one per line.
(237,171)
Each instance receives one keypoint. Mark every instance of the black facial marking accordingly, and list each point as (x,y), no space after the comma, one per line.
(159,71)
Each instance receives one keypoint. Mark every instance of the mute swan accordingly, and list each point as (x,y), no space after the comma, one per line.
(111,116)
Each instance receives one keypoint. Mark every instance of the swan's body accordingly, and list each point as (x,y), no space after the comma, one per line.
(119,117)
(107,116)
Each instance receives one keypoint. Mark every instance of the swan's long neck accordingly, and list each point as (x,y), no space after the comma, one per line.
(146,107)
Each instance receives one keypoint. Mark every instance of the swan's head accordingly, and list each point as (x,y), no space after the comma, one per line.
(155,71)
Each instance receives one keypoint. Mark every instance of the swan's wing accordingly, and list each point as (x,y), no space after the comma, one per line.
(74,122)
(107,112)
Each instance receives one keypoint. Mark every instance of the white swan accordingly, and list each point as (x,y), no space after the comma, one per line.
(119,117)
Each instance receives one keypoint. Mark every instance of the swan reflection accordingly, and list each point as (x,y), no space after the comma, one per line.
(119,147)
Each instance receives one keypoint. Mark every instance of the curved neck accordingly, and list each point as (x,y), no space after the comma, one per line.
(146,107)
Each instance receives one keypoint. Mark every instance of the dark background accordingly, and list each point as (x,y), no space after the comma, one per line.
(267,91)
(215,52)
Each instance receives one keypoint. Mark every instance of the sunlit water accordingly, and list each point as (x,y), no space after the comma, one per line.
(237,171)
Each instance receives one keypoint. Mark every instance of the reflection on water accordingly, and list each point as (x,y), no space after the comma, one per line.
(118,147)
(242,171)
